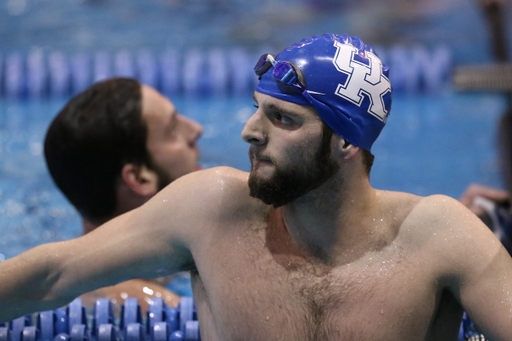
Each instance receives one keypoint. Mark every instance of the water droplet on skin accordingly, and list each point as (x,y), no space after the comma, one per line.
(221,182)
(268,317)
(382,311)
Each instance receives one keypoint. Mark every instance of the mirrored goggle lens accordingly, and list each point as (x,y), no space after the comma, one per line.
(262,65)
(286,75)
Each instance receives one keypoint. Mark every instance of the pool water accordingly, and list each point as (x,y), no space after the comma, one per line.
(431,144)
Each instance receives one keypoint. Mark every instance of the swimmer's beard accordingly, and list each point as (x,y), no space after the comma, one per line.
(288,184)
(164,178)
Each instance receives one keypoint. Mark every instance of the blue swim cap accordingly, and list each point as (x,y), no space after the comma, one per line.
(347,81)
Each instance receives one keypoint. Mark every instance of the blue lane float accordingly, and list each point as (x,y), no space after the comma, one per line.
(17,325)
(173,318)
(61,337)
(79,332)
(103,315)
(186,307)
(72,323)
(14,76)
(61,322)
(77,314)
(217,72)
(30,333)
(46,321)
(161,331)
(130,312)
(161,323)
(177,336)
(5,334)
(134,332)
(106,332)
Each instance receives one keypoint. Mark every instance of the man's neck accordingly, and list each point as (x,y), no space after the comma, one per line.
(127,200)
(334,218)
(88,226)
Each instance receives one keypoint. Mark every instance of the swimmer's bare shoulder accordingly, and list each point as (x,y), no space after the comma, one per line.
(216,194)
(193,208)
(439,220)
(442,226)
(464,257)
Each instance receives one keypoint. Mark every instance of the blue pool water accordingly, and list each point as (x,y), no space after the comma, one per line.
(431,144)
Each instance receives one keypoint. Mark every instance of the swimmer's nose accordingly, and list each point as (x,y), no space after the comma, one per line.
(194,130)
(253,130)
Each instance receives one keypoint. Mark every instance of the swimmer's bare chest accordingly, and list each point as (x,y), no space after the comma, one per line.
(252,288)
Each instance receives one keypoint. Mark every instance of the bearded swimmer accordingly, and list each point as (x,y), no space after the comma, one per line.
(303,247)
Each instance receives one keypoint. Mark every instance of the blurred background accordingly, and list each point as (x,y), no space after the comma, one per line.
(200,53)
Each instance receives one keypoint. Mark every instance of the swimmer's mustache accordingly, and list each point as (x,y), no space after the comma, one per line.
(257,156)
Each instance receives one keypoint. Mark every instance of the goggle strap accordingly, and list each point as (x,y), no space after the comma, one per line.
(271,59)
(308,96)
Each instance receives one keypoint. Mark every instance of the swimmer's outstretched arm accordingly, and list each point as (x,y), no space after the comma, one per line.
(151,241)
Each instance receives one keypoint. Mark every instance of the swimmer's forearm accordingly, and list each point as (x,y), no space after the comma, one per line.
(29,282)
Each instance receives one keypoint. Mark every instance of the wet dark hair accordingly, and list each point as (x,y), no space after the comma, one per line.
(89,141)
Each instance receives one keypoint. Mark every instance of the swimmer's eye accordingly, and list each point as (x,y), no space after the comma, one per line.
(283,119)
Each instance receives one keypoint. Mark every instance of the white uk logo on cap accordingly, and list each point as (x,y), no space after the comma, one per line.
(365,77)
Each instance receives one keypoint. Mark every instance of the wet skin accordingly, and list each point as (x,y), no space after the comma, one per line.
(268,287)
(343,262)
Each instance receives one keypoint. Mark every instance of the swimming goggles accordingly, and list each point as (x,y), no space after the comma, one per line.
(288,76)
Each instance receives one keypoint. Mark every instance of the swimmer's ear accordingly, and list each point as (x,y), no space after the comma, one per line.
(140,179)
(342,149)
